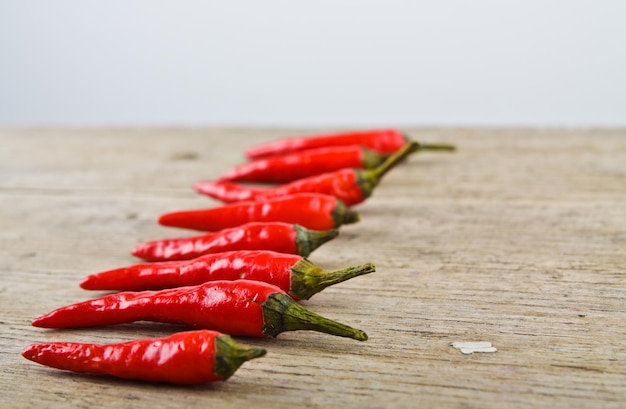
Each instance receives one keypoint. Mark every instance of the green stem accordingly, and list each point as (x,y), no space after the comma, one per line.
(230,355)
(309,240)
(393,160)
(342,214)
(308,279)
(372,159)
(435,147)
(369,179)
(281,313)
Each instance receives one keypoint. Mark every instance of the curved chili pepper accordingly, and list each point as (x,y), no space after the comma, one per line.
(379,140)
(185,358)
(385,141)
(310,210)
(298,165)
(239,308)
(352,186)
(275,236)
(292,273)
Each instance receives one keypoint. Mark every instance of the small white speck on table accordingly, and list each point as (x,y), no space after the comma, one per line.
(471,347)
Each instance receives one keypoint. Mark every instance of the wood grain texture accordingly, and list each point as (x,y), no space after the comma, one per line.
(518,238)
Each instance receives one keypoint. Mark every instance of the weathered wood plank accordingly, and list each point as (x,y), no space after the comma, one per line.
(519,239)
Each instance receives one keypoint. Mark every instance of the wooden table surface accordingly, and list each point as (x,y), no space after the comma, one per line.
(518,239)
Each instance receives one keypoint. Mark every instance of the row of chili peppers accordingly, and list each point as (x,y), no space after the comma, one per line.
(245,275)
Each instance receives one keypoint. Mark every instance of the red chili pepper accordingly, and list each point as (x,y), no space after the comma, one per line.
(310,210)
(185,358)
(385,141)
(275,236)
(352,186)
(239,308)
(379,140)
(298,165)
(292,273)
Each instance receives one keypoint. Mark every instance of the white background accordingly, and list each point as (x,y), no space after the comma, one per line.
(352,63)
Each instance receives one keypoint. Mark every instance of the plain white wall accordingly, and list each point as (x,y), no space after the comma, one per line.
(351,63)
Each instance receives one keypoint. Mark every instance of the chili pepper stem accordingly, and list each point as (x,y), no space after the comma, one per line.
(434,147)
(369,179)
(393,160)
(307,279)
(230,355)
(281,313)
(342,214)
(372,159)
(309,240)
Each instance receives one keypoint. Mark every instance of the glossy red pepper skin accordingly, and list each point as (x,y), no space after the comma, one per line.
(239,308)
(275,236)
(185,358)
(384,141)
(342,184)
(291,273)
(302,164)
(215,306)
(310,210)
(351,186)
(259,265)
